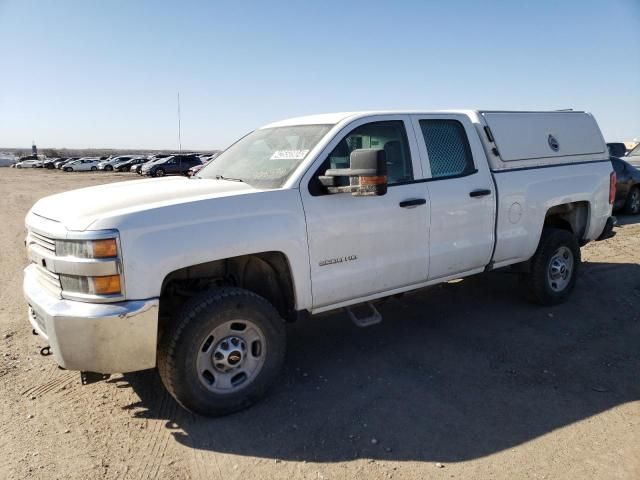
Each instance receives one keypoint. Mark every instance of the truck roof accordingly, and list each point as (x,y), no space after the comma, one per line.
(337,117)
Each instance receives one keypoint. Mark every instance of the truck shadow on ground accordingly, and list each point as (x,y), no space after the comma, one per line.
(456,373)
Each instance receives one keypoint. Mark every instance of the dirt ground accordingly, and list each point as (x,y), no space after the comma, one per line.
(465,380)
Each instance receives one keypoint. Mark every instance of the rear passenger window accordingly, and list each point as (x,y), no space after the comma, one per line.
(448,148)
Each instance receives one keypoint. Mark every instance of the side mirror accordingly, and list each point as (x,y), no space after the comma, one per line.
(617,149)
(367,174)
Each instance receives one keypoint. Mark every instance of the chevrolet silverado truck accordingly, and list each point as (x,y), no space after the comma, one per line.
(198,276)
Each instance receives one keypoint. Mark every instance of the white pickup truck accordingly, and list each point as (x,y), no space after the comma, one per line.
(198,276)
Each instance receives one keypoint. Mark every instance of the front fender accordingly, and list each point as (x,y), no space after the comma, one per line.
(158,241)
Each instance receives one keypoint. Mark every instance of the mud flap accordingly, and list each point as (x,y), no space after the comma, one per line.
(608,229)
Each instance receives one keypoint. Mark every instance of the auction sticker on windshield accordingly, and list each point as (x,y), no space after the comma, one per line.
(289,154)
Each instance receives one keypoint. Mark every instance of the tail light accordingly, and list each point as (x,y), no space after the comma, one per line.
(612,187)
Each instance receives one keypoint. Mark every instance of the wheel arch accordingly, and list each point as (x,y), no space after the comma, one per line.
(570,216)
(267,274)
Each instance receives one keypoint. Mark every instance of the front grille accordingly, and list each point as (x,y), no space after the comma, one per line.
(42,241)
(49,278)
(46,277)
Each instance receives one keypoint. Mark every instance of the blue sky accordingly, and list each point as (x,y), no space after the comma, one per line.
(106,73)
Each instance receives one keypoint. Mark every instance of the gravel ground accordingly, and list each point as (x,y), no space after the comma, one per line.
(465,380)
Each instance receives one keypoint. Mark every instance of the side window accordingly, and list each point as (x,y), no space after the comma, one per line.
(389,136)
(448,148)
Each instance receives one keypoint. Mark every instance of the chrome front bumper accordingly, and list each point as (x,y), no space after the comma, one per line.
(96,337)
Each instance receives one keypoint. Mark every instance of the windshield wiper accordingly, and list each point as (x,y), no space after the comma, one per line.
(222,177)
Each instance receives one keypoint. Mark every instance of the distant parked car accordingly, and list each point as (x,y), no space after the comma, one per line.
(153,158)
(82,165)
(60,163)
(27,163)
(175,164)
(129,164)
(49,163)
(633,157)
(7,161)
(195,169)
(627,186)
(109,164)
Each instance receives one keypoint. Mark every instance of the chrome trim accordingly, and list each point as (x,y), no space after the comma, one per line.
(91,235)
(85,267)
(42,241)
(49,280)
(89,298)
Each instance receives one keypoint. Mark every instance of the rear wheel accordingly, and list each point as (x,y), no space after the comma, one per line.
(554,266)
(223,352)
(632,205)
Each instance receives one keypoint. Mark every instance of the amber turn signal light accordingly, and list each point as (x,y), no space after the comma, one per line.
(106,285)
(105,248)
(378,180)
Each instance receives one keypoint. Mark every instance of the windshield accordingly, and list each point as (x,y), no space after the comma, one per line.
(635,152)
(267,157)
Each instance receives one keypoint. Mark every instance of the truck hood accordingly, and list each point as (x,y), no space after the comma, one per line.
(78,209)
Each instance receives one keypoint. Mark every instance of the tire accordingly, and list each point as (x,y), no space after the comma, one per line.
(50,166)
(108,168)
(547,282)
(632,204)
(94,169)
(159,172)
(181,344)
(68,169)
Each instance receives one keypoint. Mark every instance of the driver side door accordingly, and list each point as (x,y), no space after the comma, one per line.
(360,247)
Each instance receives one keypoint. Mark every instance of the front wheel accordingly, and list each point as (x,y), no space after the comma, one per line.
(632,205)
(554,267)
(108,168)
(93,169)
(68,169)
(159,173)
(223,352)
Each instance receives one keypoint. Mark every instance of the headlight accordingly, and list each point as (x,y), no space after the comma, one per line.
(87,248)
(108,285)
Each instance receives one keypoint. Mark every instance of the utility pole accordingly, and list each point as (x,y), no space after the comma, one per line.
(179,126)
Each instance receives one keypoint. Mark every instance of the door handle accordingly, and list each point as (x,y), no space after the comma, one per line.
(412,203)
(480,192)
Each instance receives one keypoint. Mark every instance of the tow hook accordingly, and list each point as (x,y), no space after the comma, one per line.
(46,351)
(87,378)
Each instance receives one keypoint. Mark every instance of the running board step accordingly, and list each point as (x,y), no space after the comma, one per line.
(364,318)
